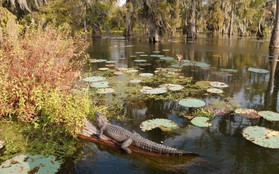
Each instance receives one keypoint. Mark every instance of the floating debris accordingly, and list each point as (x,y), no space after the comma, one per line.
(26,164)
(262,136)
(218,84)
(94,79)
(192,103)
(257,70)
(269,115)
(201,122)
(248,113)
(215,90)
(163,124)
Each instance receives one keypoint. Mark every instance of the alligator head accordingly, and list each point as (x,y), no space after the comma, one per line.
(100,119)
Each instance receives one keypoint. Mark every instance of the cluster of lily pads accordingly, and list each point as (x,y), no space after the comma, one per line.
(31,164)
(157,88)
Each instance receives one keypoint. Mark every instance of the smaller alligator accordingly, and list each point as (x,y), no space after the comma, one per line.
(127,138)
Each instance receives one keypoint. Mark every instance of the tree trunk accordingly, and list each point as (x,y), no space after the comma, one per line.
(128,28)
(192,23)
(231,22)
(96,32)
(153,33)
(274,40)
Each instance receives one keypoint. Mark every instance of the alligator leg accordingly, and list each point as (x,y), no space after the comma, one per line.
(102,131)
(126,144)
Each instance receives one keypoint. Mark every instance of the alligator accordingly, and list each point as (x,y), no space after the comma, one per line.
(127,138)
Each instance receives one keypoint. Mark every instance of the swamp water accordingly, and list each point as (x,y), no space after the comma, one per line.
(221,146)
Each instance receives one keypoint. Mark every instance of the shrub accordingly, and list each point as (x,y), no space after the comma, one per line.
(39,68)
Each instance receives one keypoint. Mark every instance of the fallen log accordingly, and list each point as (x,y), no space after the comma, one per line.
(90,133)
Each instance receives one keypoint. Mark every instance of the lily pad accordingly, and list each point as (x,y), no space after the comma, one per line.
(172,87)
(140,60)
(192,103)
(103,84)
(31,164)
(218,84)
(139,52)
(110,62)
(96,60)
(135,81)
(156,52)
(165,50)
(133,56)
(103,69)
(157,55)
(163,124)
(105,91)
(118,73)
(262,136)
(215,90)
(155,91)
(132,71)
(143,55)
(202,65)
(269,115)
(146,74)
(257,70)
(229,70)
(201,122)
(167,58)
(248,113)
(94,79)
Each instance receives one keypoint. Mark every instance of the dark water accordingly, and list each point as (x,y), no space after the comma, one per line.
(222,146)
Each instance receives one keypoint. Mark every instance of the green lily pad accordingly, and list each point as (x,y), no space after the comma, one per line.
(103,69)
(110,62)
(94,79)
(135,81)
(132,71)
(96,60)
(172,87)
(192,103)
(201,122)
(143,55)
(215,90)
(139,52)
(146,74)
(105,91)
(262,136)
(155,91)
(269,115)
(31,164)
(229,70)
(157,55)
(202,65)
(140,61)
(248,113)
(163,124)
(133,56)
(218,84)
(103,84)
(165,50)
(257,70)
(167,58)
(156,52)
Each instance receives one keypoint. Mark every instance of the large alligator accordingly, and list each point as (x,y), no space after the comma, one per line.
(127,138)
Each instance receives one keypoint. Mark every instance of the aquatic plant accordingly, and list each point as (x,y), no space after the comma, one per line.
(269,115)
(262,136)
(204,112)
(203,84)
(201,121)
(248,113)
(172,87)
(192,103)
(150,90)
(31,164)
(257,70)
(163,124)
